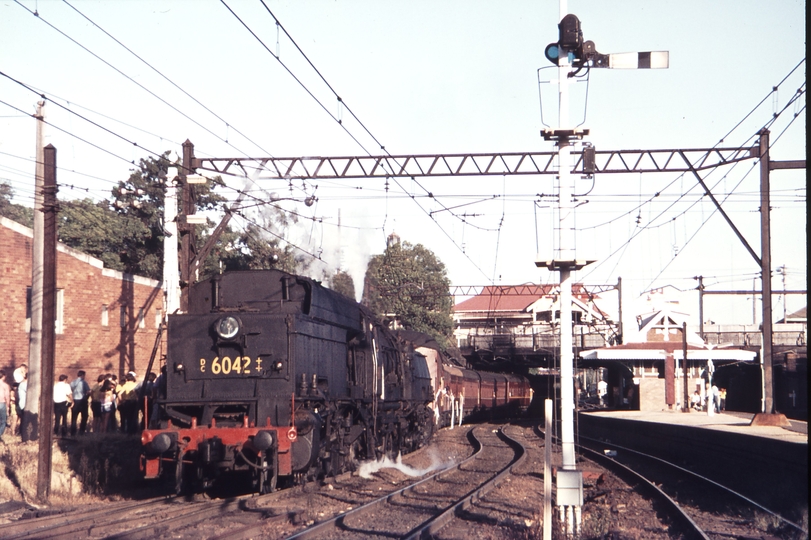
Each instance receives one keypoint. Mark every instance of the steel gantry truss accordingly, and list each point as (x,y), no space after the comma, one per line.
(484,164)
(588,161)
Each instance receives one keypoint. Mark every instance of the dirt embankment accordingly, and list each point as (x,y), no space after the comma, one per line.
(85,470)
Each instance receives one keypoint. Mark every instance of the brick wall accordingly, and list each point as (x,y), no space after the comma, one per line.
(84,342)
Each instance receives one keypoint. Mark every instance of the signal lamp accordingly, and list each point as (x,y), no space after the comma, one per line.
(570,34)
(552,53)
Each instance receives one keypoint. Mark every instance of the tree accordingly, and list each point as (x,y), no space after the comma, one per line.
(254,252)
(141,198)
(15,212)
(127,232)
(95,229)
(343,283)
(409,283)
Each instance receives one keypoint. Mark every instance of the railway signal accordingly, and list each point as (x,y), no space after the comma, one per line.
(583,54)
(572,54)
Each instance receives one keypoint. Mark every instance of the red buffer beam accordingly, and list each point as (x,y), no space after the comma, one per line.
(494,164)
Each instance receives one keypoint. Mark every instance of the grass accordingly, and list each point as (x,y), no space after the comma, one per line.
(86,469)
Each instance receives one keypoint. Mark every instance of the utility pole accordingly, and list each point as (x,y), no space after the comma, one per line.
(766,272)
(29,425)
(171,279)
(619,302)
(46,404)
(685,405)
(184,227)
(700,305)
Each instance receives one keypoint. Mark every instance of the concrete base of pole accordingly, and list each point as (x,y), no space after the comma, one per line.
(773,419)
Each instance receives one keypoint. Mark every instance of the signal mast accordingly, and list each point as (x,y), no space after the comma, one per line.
(571,54)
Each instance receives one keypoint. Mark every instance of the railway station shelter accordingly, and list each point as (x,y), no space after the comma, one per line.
(649,374)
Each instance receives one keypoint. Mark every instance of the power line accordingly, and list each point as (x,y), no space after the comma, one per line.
(339,120)
(770,122)
(150,92)
(170,81)
(130,161)
(113,133)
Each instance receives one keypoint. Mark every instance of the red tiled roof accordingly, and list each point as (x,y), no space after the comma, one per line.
(511,297)
(506,298)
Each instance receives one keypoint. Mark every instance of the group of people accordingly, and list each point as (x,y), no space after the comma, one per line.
(715,398)
(106,397)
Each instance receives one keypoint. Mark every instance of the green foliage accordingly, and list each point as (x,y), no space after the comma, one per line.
(95,229)
(15,212)
(343,283)
(254,252)
(141,198)
(127,232)
(409,283)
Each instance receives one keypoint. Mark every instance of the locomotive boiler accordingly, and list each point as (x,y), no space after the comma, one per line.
(275,376)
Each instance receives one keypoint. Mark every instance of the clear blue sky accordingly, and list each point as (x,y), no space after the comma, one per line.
(434,77)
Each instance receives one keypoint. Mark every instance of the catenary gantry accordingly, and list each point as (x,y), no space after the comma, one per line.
(480,164)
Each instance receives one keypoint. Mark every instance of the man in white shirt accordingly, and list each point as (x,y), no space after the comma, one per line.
(63,398)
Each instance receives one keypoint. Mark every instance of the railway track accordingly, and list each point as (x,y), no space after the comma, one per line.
(131,520)
(276,514)
(493,490)
(703,507)
(426,506)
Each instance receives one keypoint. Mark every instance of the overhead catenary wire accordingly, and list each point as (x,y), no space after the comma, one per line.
(490,210)
(751,137)
(129,78)
(228,125)
(111,132)
(338,120)
(715,209)
(97,147)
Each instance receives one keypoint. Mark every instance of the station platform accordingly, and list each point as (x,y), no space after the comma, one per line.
(727,421)
(768,464)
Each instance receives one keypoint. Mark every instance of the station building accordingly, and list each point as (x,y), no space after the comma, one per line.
(637,365)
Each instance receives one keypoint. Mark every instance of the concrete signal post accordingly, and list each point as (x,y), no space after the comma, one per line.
(571,54)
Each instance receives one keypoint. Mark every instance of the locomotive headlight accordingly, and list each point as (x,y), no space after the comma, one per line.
(227,327)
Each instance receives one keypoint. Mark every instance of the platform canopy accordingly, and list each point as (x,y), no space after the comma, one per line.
(659,350)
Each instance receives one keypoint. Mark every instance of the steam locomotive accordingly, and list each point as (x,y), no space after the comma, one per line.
(276,376)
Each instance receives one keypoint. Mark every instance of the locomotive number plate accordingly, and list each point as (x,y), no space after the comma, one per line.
(239,365)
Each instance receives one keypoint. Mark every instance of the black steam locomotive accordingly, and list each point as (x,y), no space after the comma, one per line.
(276,376)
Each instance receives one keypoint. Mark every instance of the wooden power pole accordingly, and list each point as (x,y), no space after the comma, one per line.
(29,424)
(46,404)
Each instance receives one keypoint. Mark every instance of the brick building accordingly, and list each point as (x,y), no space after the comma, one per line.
(107,321)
